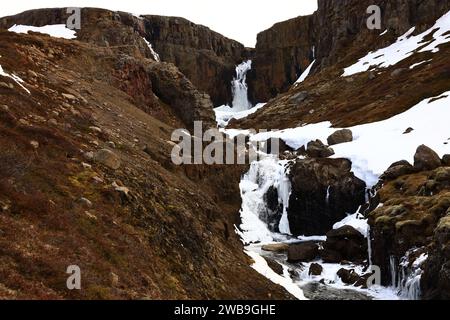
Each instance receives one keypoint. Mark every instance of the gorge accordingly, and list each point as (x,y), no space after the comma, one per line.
(360,184)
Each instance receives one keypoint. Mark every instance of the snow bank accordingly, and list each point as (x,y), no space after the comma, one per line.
(286,282)
(305,73)
(17,79)
(356,221)
(225,113)
(154,53)
(55,30)
(404,47)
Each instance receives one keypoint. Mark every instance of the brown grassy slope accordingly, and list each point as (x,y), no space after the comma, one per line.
(170,237)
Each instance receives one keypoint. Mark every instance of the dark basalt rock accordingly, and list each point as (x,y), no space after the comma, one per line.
(310,211)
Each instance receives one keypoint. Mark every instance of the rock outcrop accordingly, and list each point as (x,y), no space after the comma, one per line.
(206,57)
(282,53)
(412,216)
(323,192)
(330,36)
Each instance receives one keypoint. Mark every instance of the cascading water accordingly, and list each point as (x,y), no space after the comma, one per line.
(406,278)
(239,87)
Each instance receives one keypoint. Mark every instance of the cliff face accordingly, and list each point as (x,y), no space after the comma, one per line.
(206,57)
(284,51)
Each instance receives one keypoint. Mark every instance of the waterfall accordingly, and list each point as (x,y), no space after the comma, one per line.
(406,280)
(369,245)
(239,87)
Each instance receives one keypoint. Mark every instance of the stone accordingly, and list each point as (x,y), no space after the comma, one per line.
(315,269)
(95,129)
(446,160)
(316,149)
(275,266)
(344,244)
(34,144)
(340,136)
(348,276)
(89,155)
(69,96)
(303,252)
(299,97)
(331,191)
(111,144)
(84,202)
(276,247)
(408,131)
(396,170)
(114,279)
(398,72)
(52,122)
(426,159)
(107,158)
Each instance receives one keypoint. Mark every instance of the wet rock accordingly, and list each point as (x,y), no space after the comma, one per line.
(344,244)
(303,252)
(315,269)
(323,192)
(426,159)
(275,266)
(350,277)
(107,158)
(316,149)
(340,136)
(276,247)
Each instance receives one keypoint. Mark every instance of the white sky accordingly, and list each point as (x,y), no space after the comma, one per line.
(237,19)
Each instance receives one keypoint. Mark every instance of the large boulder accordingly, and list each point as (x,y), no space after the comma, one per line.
(324,191)
(303,252)
(426,159)
(446,160)
(340,136)
(344,244)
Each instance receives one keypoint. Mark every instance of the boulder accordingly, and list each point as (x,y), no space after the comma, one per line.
(426,159)
(316,149)
(446,160)
(324,191)
(340,136)
(315,269)
(303,252)
(276,247)
(107,158)
(350,277)
(275,266)
(344,244)
(397,169)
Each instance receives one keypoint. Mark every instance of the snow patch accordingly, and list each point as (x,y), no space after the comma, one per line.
(224,114)
(404,47)
(16,79)
(154,53)
(356,221)
(55,30)
(305,73)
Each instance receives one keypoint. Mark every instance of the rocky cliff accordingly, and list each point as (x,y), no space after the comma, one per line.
(284,51)
(206,57)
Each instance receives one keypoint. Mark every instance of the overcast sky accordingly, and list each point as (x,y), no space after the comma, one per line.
(237,19)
